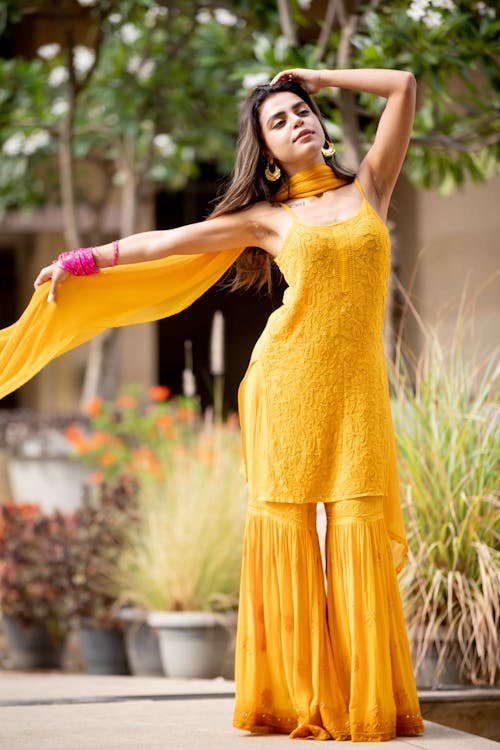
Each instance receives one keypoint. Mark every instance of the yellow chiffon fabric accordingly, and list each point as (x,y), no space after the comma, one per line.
(322,663)
(115,297)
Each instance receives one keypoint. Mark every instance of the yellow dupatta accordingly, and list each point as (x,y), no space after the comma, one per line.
(85,306)
(120,296)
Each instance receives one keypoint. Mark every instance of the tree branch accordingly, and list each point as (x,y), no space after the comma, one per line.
(287,24)
(326,30)
(446,142)
(348,19)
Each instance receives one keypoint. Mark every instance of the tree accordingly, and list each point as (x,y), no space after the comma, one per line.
(451,47)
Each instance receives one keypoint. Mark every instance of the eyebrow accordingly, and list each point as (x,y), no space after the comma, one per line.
(297,105)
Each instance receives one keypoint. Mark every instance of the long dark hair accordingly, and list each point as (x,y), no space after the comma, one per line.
(247,183)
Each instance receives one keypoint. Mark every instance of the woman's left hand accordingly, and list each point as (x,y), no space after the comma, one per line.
(310,80)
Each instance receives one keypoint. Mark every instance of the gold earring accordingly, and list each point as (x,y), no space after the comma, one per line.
(273,175)
(329,150)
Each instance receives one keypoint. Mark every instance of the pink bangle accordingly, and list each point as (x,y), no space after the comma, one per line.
(79,262)
(115,253)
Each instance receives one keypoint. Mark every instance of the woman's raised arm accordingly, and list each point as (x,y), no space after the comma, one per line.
(383,162)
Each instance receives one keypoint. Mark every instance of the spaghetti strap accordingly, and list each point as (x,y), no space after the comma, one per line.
(356,182)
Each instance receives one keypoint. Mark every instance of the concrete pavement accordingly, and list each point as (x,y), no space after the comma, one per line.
(57,711)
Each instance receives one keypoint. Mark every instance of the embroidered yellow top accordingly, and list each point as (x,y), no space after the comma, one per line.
(314,402)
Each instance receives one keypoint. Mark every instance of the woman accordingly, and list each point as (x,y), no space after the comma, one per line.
(311,661)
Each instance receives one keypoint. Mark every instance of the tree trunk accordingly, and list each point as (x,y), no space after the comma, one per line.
(103,366)
(70,220)
(129,208)
(286,21)
(348,19)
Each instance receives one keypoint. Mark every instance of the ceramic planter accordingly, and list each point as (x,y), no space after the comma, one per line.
(449,676)
(30,646)
(141,643)
(194,644)
(425,676)
(103,650)
(55,483)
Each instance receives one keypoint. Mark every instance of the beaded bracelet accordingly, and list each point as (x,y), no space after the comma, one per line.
(79,262)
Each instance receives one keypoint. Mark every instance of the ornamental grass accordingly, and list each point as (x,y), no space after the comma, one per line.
(447,422)
(184,550)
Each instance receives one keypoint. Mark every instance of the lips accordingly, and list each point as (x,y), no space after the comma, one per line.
(304,131)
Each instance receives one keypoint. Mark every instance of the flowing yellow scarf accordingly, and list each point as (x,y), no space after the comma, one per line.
(121,296)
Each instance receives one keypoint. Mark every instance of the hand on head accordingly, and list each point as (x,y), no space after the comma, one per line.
(310,80)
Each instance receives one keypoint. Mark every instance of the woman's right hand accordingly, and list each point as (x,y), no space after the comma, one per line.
(53,273)
(311,80)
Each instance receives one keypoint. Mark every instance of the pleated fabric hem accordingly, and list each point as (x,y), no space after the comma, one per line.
(315,663)
(264,723)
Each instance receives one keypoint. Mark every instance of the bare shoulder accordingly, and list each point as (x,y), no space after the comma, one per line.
(263,221)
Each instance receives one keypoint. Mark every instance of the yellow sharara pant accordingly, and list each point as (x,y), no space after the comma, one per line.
(316,660)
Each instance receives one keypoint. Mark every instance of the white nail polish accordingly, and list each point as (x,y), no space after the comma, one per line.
(50,298)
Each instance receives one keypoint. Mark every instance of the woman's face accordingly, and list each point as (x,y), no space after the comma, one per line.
(292,132)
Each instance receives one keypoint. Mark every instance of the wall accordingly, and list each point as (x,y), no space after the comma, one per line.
(448,254)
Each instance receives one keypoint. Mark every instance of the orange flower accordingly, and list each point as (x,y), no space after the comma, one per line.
(73,433)
(107,459)
(94,406)
(146,459)
(97,477)
(76,437)
(100,438)
(164,420)
(159,392)
(185,414)
(126,401)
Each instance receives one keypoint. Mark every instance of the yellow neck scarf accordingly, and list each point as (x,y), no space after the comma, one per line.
(312,181)
(135,293)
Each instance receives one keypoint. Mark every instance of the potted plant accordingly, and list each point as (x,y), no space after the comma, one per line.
(132,436)
(181,558)
(39,466)
(447,427)
(35,583)
(95,547)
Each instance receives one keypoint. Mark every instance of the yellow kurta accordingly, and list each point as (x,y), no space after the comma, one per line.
(314,403)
